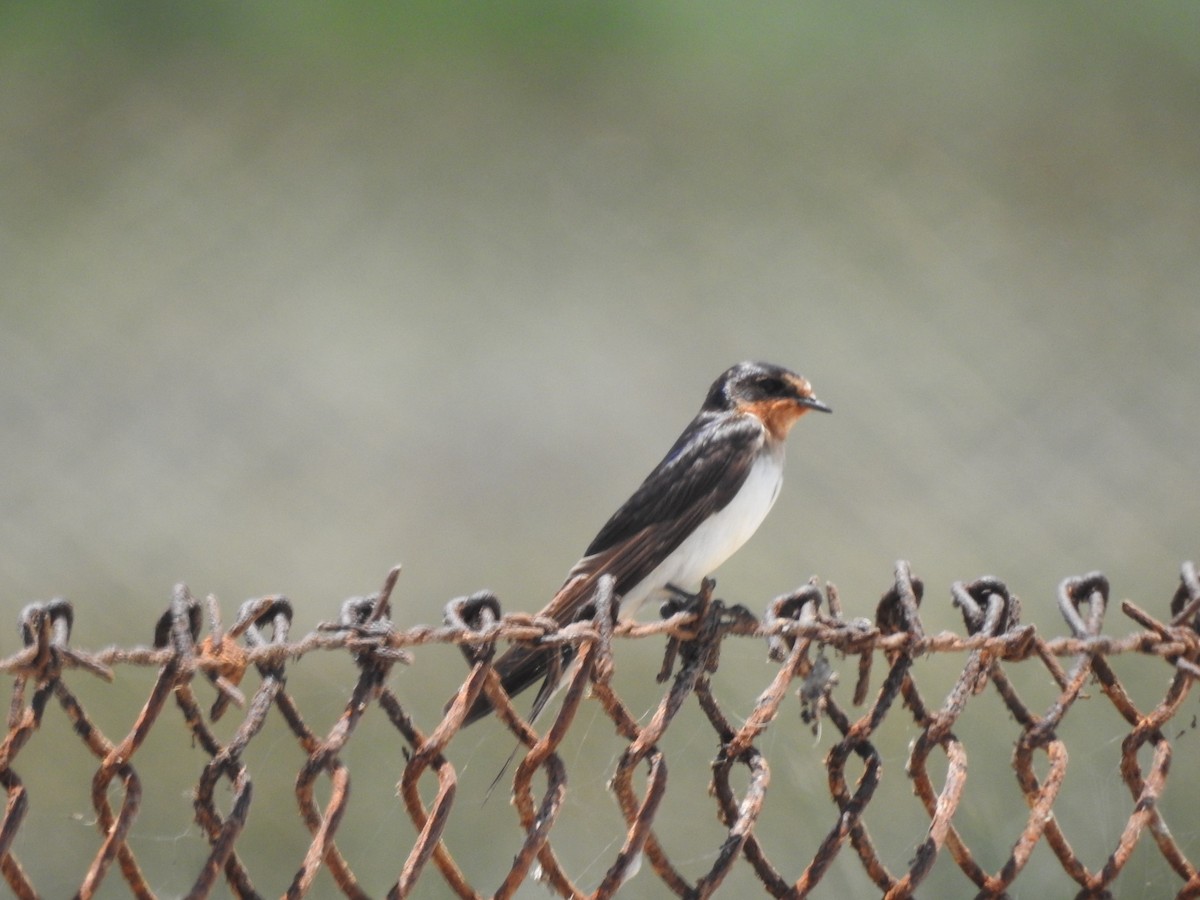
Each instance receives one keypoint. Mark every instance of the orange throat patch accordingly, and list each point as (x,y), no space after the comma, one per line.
(778,415)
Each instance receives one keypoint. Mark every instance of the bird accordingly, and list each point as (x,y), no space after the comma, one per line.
(698,506)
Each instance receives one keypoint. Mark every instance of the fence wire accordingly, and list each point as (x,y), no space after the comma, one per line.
(802,629)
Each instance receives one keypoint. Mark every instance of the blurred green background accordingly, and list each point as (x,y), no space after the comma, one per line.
(291,294)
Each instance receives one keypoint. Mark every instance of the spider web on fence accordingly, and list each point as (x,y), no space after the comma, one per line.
(803,629)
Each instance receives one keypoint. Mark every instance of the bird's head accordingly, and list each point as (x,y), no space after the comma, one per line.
(776,395)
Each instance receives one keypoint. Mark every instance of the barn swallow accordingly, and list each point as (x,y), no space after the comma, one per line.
(700,504)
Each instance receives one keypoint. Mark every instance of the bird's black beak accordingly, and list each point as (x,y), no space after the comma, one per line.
(814,403)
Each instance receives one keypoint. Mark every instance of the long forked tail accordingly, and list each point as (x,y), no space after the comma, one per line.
(519,668)
(524,665)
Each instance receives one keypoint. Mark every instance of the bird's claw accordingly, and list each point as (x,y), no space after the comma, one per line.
(681,601)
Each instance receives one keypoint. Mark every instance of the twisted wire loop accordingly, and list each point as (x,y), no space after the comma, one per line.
(802,629)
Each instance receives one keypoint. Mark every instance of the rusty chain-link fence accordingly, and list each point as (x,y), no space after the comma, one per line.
(803,630)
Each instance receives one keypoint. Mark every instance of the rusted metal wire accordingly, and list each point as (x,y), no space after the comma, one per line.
(803,630)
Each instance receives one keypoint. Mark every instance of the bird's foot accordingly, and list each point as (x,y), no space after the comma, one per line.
(685,601)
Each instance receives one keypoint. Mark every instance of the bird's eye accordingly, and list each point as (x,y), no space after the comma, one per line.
(771,385)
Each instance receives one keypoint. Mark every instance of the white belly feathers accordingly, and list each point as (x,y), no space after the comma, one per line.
(717,538)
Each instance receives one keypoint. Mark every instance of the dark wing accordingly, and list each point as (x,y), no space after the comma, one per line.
(698,477)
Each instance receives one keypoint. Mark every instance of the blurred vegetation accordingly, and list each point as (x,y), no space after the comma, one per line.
(290,294)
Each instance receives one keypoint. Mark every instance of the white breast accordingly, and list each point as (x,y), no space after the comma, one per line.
(717,538)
